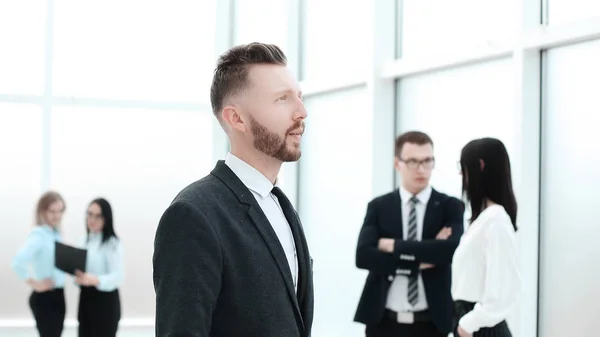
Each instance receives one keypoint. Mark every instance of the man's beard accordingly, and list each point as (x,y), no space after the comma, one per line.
(272,144)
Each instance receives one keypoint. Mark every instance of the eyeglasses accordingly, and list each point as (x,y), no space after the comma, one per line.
(414,164)
(93,216)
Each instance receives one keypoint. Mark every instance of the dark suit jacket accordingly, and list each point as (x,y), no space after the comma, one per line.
(219,269)
(384,220)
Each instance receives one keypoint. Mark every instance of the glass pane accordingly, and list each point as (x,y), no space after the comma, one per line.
(137,159)
(570,183)
(23,42)
(263,21)
(138,50)
(456,106)
(335,188)
(337,39)
(560,11)
(447,27)
(20,184)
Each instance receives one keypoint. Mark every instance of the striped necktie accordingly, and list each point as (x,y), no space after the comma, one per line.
(413,284)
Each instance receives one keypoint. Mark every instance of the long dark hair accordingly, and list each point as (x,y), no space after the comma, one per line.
(493,181)
(108,230)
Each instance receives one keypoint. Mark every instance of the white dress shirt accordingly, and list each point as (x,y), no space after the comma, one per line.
(485,269)
(261,188)
(397,299)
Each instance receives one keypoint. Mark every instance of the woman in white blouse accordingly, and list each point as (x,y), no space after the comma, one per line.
(485,270)
(99,303)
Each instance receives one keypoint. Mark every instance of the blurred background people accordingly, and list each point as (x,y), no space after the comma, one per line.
(99,302)
(34,264)
(407,242)
(485,271)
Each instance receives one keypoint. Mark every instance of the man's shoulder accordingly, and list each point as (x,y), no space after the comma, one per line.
(384,199)
(447,199)
(201,192)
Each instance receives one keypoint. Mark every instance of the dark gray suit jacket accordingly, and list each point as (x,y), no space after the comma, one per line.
(219,269)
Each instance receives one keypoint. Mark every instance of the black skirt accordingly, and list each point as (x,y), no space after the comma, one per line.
(99,312)
(461,308)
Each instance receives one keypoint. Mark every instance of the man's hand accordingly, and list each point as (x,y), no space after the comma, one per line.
(42,285)
(85,279)
(463,333)
(444,234)
(386,245)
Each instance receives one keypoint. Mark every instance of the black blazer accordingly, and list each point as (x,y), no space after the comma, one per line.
(219,269)
(384,220)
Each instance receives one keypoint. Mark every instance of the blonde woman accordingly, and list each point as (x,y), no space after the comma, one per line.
(47,301)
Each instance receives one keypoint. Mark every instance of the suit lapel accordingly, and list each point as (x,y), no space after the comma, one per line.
(272,241)
(262,224)
(431,213)
(395,215)
(303,264)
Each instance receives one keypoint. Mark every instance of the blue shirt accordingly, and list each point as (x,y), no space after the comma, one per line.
(105,261)
(38,252)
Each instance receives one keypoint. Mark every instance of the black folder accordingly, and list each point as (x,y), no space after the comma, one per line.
(68,258)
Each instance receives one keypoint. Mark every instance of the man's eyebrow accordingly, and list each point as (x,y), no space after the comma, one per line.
(287,91)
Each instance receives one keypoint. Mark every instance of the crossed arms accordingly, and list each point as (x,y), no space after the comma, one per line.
(387,255)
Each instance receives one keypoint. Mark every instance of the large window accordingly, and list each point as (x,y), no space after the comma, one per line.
(438,27)
(335,186)
(22,39)
(102,99)
(456,106)
(570,181)
(20,175)
(138,160)
(337,39)
(562,11)
(251,26)
(134,50)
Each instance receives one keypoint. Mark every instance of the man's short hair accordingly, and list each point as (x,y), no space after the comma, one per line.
(231,74)
(414,137)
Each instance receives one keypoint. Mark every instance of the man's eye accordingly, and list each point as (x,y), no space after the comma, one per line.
(282,98)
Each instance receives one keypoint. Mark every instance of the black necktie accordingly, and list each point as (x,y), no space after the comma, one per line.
(288,208)
(293,221)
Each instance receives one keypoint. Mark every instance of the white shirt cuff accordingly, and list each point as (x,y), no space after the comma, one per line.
(467,323)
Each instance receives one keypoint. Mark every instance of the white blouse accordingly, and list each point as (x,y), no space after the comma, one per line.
(485,269)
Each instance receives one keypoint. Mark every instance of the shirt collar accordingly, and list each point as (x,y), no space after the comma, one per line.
(423,196)
(94,236)
(251,177)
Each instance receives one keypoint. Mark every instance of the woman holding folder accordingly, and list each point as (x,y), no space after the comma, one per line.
(99,303)
(47,301)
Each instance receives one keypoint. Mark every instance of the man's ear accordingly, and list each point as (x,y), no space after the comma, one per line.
(396,164)
(481,164)
(231,117)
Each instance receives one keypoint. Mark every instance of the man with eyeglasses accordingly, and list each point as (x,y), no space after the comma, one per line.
(406,243)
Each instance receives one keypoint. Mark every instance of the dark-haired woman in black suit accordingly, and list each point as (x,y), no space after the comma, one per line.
(485,269)
(99,302)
